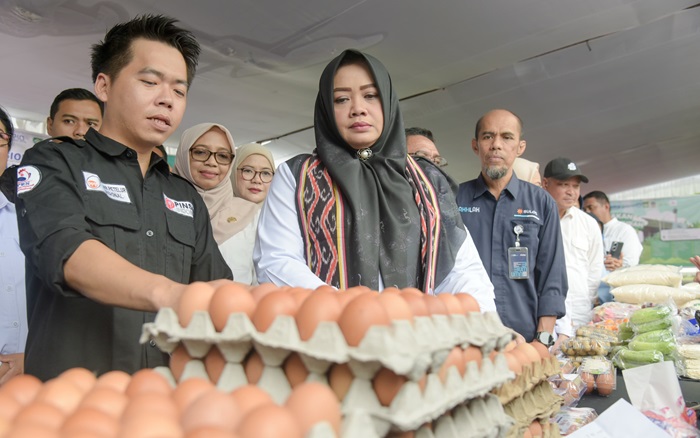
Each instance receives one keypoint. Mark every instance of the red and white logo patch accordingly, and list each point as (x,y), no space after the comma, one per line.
(184,208)
(28,177)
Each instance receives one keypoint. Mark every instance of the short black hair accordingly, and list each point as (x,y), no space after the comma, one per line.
(9,129)
(478,124)
(112,54)
(427,133)
(75,94)
(600,196)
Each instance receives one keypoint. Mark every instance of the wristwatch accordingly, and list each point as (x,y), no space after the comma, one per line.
(545,338)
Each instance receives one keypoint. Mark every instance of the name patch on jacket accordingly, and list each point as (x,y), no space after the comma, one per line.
(115,192)
(28,177)
(180,207)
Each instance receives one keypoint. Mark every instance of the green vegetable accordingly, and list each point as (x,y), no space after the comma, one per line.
(643,356)
(663,347)
(655,336)
(643,316)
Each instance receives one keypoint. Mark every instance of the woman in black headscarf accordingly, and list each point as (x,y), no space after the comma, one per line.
(359,210)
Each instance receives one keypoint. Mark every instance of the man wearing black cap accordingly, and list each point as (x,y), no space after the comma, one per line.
(583,241)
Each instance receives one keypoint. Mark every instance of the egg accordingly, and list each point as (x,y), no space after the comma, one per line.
(153,403)
(318,306)
(270,307)
(386,385)
(228,299)
(8,406)
(147,380)
(453,305)
(249,397)
(473,354)
(41,413)
(340,378)
(299,294)
(253,367)
(105,399)
(270,421)
(542,350)
(529,351)
(359,315)
(22,388)
(61,394)
(454,359)
(605,384)
(117,380)
(90,421)
(196,297)
(188,391)
(435,305)
(209,432)
(469,303)
(150,426)
(80,377)
(214,363)
(295,370)
(32,431)
(414,299)
(178,360)
(589,380)
(312,403)
(536,429)
(211,409)
(258,292)
(396,307)
(514,364)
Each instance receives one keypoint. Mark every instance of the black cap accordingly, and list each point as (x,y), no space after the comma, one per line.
(563,168)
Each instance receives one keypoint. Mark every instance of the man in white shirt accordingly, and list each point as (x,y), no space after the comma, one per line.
(583,243)
(597,202)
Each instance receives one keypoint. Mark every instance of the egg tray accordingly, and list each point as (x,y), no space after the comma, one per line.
(405,348)
(531,376)
(481,417)
(539,403)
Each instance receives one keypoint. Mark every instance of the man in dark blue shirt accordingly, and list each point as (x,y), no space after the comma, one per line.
(515,227)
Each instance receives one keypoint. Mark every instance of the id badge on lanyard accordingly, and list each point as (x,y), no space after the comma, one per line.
(518,262)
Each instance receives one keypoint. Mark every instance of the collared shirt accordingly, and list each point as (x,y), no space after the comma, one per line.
(491,222)
(76,191)
(279,249)
(13,300)
(583,247)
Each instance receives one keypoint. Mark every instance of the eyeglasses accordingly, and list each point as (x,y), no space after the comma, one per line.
(203,154)
(437,160)
(4,135)
(249,174)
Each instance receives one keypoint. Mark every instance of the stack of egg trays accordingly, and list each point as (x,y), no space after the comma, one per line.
(540,403)
(414,350)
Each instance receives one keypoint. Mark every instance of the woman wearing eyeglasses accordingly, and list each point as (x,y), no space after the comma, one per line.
(205,158)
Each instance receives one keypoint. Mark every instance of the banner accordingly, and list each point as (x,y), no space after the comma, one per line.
(21,141)
(669,227)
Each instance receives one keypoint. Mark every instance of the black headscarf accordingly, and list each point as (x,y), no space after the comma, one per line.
(383,221)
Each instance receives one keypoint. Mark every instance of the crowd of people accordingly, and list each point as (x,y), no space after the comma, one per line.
(111,233)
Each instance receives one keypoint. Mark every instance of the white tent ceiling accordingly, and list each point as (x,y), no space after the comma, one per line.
(612,84)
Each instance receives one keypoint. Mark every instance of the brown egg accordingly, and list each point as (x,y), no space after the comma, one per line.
(454,307)
(188,391)
(536,429)
(605,384)
(214,363)
(212,409)
(8,405)
(589,380)
(340,378)
(270,421)
(542,350)
(454,359)
(149,426)
(295,370)
(359,315)
(270,307)
(258,292)
(253,367)
(60,393)
(514,364)
(178,360)
(386,385)
(22,388)
(249,397)
(90,421)
(147,380)
(210,432)
(312,403)
(117,380)
(33,431)
(80,377)
(529,351)
(41,413)
(510,346)
(153,403)
(435,305)
(395,305)
(299,294)
(473,353)
(195,297)
(319,306)
(415,302)
(105,399)
(469,303)
(228,299)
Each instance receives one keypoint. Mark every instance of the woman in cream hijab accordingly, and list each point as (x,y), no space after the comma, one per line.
(527,170)
(205,158)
